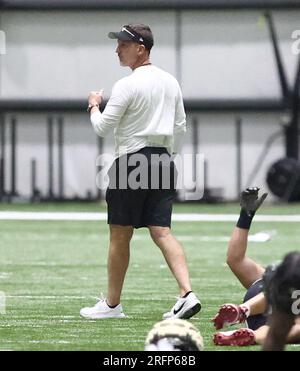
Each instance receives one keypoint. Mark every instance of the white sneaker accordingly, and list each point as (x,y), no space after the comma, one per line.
(102,310)
(185,307)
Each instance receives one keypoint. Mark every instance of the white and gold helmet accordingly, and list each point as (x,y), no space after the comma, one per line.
(173,335)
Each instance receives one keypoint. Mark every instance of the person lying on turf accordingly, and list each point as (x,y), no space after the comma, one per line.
(253,310)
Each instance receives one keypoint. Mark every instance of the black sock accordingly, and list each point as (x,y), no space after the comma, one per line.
(111,306)
(185,295)
(245,220)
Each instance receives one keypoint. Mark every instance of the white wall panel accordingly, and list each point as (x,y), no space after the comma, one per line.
(229,54)
(65,55)
(225,55)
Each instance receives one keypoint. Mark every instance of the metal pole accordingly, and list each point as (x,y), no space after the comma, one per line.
(13,138)
(290,98)
(238,141)
(50,157)
(292,131)
(178,46)
(33,179)
(60,158)
(282,75)
(2,156)
(100,151)
(195,140)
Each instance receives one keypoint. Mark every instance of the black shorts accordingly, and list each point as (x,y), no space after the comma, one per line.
(254,322)
(142,187)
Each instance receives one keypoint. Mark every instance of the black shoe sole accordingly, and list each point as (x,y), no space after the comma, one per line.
(192,311)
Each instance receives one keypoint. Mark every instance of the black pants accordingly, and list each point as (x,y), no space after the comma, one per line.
(255,322)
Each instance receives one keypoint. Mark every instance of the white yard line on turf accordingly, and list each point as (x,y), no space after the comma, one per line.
(74,216)
(68,297)
(190,238)
(257,237)
(47,297)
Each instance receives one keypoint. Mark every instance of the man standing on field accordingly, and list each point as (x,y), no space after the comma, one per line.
(147,114)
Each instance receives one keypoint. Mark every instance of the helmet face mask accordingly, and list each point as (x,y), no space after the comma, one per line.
(174,335)
(170,343)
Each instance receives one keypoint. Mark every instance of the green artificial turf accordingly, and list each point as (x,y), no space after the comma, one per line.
(50,269)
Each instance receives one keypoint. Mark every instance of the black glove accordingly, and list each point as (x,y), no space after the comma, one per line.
(250,201)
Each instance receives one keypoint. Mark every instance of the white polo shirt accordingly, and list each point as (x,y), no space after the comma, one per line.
(145,109)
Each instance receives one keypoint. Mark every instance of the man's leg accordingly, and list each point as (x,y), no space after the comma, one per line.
(257,304)
(118,260)
(281,325)
(275,341)
(245,269)
(174,256)
(188,304)
(261,334)
(239,338)
(293,336)
(230,314)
